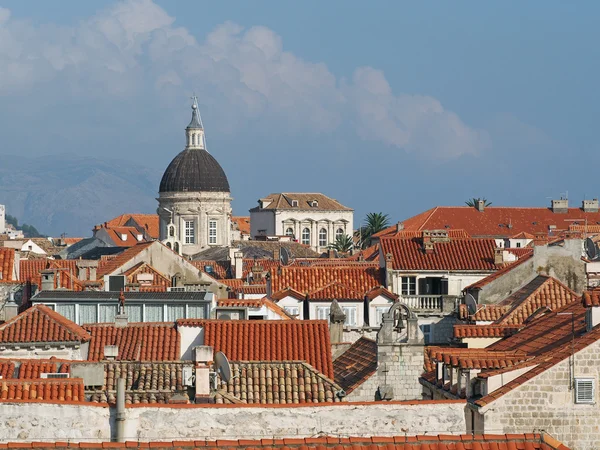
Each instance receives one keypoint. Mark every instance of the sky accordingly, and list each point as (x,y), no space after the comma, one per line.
(386,106)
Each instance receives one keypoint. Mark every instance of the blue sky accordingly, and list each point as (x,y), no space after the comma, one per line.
(388,106)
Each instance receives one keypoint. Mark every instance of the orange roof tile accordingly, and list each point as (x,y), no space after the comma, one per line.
(137,341)
(380,290)
(269,340)
(240,303)
(457,254)
(494,221)
(489,313)
(356,365)
(503,271)
(149,222)
(361,278)
(484,331)
(7,260)
(41,324)
(159,283)
(113,264)
(591,298)
(60,390)
(130,234)
(242,223)
(219,269)
(336,291)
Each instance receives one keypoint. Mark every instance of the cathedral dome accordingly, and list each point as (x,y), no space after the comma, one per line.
(194,170)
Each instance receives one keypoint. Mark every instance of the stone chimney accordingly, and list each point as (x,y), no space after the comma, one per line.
(203,356)
(389,261)
(498,256)
(277,254)
(480,206)
(399,226)
(590,205)
(11,309)
(238,265)
(336,323)
(428,246)
(560,206)
(48,280)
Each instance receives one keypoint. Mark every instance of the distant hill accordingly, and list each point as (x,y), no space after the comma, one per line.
(70,194)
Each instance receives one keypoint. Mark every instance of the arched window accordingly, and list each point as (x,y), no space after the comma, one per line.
(322,237)
(176,247)
(306,236)
(171,231)
(289,232)
(169,244)
(339,232)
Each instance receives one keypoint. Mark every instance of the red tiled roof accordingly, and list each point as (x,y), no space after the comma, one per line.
(380,290)
(62,390)
(457,254)
(520,252)
(361,278)
(269,340)
(288,292)
(484,331)
(591,298)
(424,442)
(41,324)
(130,233)
(137,341)
(219,268)
(284,201)
(7,261)
(485,281)
(110,265)
(411,234)
(243,303)
(489,313)
(149,222)
(243,223)
(494,220)
(159,283)
(253,289)
(233,283)
(356,365)
(523,235)
(336,291)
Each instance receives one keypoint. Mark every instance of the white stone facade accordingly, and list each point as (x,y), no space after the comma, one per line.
(2,219)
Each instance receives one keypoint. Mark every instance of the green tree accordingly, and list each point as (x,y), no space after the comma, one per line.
(474,201)
(343,243)
(374,223)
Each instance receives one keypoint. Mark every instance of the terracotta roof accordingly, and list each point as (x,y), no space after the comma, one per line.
(438,442)
(269,340)
(284,201)
(7,260)
(484,331)
(71,240)
(242,223)
(130,233)
(380,290)
(233,283)
(278,382)
(149,222)
(62,390)
(503,271)
(41,324)
(520,252)
(253,289)
(457,254)
(523,235)
(288,292)
(137,341)
(151,382)
(410,234)
(220,269)
(361,278)
(497,221)
(591,298)
(240,303)
(489,313)
(113,264)
(159,281)
(356,365)
(336,291)
(478,358)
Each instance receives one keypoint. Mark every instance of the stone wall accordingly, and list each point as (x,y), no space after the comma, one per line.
(546,403)
(399,368)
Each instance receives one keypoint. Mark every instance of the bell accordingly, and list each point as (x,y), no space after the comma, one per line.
(400,325)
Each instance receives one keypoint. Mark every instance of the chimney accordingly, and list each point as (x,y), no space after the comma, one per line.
(590,205)
(498,256)
(203,355)
(336,323)
(399,226)
(389,261)
(540,239)
(11,309)
(48,280)
(480,206)
(111,352)
(277,254)
(238,264)
(560,206)
(427,242)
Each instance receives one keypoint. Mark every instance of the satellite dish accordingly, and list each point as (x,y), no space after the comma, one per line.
(591,249)
(222,366)
(471,303)
(284,256)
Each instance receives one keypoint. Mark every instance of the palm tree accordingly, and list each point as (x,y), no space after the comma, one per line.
(343,244)
(474,201)
(374,223)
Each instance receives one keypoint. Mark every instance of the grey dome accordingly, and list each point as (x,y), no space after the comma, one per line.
(194,171)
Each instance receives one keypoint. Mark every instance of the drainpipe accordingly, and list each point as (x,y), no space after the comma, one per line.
(120,410)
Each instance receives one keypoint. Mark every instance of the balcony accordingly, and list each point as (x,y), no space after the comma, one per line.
(431,303)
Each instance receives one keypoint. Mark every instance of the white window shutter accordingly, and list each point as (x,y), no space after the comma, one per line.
(584,390)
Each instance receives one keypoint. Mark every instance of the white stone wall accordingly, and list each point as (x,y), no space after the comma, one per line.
(73,353)
(2,219)
(546,403)
(457,281)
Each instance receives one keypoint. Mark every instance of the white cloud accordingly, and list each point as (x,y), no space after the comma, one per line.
(243,73)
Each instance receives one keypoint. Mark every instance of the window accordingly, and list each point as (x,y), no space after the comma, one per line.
(107,313)
(134,313)
(426,329)
(289,232)
(379,312)
(306,236)
(350,312)
(409,285)
(67,311)
(292,310)
(212,232)
(190,232)
(176,247)
(175,312)
(518,245)
(584,390)
(88,314)
(196,312)
(322,237)
(323,313)
(339,233)
(153,313)
(168,244)
(171,231)
(294,203)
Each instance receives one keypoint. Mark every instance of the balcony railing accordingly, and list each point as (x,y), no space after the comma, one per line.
(430,303)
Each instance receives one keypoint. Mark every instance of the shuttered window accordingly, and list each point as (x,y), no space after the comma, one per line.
(584,390)
(323,313)
(350,312)
(67,311)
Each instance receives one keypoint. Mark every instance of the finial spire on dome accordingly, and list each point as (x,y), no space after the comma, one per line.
(195,130)
(196,121)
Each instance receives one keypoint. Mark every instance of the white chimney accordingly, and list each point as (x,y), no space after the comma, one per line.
(111,352)
(238,260)
(203,355)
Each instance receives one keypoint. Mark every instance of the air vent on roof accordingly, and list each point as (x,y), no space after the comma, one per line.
(584,390)
(54,375)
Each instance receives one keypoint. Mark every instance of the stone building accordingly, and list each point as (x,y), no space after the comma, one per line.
(311,219)
(194,203)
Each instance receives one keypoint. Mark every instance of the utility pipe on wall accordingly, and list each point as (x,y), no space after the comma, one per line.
(120,410)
